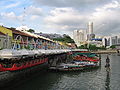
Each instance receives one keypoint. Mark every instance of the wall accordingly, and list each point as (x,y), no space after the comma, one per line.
(6,31)
(7,40)
(2,41)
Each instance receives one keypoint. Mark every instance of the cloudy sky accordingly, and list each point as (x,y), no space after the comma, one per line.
(62,16)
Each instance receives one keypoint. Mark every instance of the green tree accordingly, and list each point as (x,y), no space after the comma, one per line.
(93,47)
(65,39)
(31,30)
(83,46)
(113,46)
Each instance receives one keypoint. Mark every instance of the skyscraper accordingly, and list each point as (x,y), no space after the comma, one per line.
(90,33)
(90,27)
(79,37)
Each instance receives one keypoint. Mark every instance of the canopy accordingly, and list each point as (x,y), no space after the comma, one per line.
(85,54)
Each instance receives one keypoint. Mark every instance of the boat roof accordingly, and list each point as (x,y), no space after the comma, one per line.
(87,54)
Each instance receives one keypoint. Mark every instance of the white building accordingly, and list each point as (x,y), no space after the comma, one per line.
(96,43)
(79,36)
(111,40)
(22,28)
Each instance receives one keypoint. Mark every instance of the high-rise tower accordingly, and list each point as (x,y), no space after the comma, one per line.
(91,35)
(90,27)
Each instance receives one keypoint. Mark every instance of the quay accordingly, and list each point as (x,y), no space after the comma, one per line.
(105,51)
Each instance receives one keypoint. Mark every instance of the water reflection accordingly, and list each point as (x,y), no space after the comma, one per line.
(107,82)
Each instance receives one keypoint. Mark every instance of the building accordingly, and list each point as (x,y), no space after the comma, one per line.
(79,37)
(114,40)
(96,43)
(90,34)
(10,38)
(90,27)
(5,37)
(2,40)
(104,41)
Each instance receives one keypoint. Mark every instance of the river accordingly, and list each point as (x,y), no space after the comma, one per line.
(97,79)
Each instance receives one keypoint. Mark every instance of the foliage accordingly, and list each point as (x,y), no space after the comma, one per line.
(113,46)
(92,47)
(65,39)
(1,48)
(13,28)
(83,46)
(31,30)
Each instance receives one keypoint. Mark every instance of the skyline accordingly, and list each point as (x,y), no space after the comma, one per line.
(62,16)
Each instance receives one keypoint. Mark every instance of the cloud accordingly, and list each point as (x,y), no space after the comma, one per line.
(106,19)
(65,19)
(11,16)
(34,17)
(12,5)
(64,16)
(34,10)
(71,3)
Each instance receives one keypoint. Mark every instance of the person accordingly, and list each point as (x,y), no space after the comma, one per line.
(107,66)
(118,51)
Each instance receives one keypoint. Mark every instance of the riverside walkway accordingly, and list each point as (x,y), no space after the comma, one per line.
(104,51)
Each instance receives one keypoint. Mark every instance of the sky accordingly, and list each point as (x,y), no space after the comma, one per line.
(62,16)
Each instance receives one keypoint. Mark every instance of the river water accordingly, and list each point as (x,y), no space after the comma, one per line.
(97,79)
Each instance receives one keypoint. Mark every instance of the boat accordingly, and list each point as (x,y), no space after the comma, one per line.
(86,57)
(75,66)
(69,67)
(12,60)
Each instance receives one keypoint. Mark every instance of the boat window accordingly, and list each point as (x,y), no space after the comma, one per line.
(18,64)
(7,65)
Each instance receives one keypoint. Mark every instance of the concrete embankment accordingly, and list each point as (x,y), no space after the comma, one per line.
(104,51)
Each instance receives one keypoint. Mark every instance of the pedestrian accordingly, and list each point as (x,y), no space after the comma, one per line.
(107,66)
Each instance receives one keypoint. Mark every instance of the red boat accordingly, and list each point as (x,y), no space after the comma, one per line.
(86,57)
(13,65)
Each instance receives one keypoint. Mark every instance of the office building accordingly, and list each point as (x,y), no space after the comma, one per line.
(79,36)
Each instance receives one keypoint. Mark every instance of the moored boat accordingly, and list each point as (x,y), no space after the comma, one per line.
(12,60)
(75,66)
(69,67)
(86,57)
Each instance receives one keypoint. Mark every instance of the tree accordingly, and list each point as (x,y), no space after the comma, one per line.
(83,46)
(93,47)
(31,30)
(65,39)
(113,46)
(13,28)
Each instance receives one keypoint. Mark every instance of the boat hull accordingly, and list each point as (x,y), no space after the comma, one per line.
(9,78)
